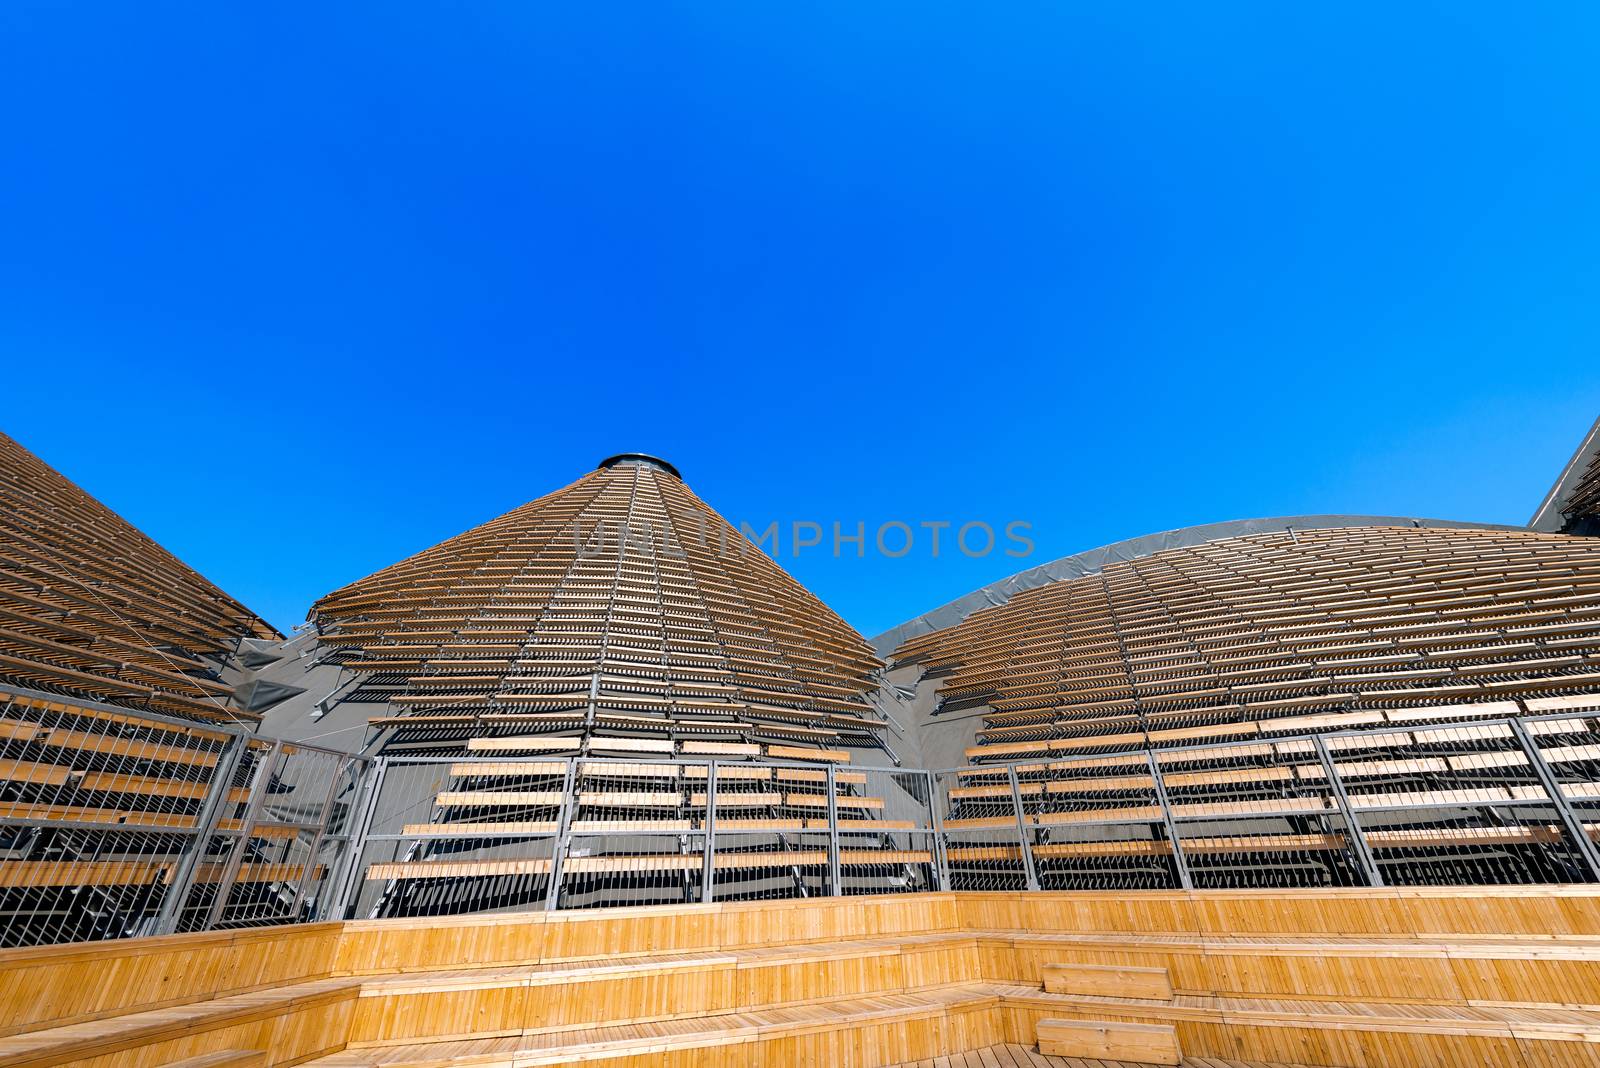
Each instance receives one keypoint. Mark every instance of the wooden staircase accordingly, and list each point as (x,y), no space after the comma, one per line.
(1329,978)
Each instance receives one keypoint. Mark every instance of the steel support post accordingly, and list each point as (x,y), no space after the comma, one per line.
(835,879)
(1023,843)
(230,872)
(1552,787)
(316,843)
(708,870)
(1178,860)
(1352,829)
(205,826)
(365,811)
(941,860)
(558,847)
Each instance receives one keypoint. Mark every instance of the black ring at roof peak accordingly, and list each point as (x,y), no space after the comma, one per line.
(639,458)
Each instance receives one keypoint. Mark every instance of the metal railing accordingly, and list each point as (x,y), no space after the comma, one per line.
(115,822)
(443,835)
(118,822)
(1497,801)
(1488,802)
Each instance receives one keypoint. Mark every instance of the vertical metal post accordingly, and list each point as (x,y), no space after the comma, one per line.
(835,881)
(205,825)
(316,845)
(258,794)
(1552,786)
(1352,829)
(365,812)
(1178,860)
(941,861)
(558,847)
(1029,870)
(708,872)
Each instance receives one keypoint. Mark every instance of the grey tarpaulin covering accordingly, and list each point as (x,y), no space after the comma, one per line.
(314,712)
(259,652)
(1549,516)
(1095,560)
(258,695)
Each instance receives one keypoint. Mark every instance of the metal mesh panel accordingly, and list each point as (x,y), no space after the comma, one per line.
(1270,853)
(1259,816)
(1457,805)
(473,874)
(1096,823)
(98,811)
(982,843)
(886,834)
(448,836)
(258,832)
(281,856)
(752,866)
(1473,846)
(116,821)
(890,864)
(1570,747)
(594,832)
(62,884)
(620,869)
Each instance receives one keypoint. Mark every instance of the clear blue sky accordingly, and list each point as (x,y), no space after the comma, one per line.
(302,289)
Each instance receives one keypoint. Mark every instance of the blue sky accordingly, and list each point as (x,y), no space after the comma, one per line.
(302,289)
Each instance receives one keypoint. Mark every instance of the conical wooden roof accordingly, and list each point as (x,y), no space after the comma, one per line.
(90,606)
(620,604)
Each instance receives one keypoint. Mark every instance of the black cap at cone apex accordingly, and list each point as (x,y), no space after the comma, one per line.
(639,458)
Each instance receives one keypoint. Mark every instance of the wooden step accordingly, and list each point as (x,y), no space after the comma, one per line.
(1328,1033)
(1110,981)
(296,1020)
(856,1030)
(225,1058)
(1546,972)
(495,1002)
(1015,1055)
(1259,976)
(1136,1043)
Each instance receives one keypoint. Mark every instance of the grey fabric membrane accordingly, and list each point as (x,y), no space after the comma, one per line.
(1549,518)
(257,695)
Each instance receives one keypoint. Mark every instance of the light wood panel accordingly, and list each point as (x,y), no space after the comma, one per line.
(1104,980)
(226,1058)
(1484,976)
(73,983)
(1018,1055)
(1135,1043)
